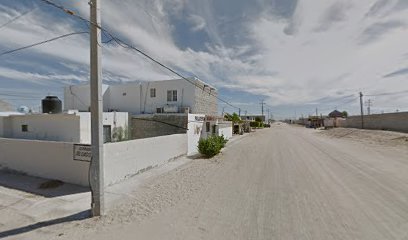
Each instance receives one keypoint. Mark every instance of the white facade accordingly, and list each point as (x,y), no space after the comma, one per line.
(65,127)
(78,97)
(170,96)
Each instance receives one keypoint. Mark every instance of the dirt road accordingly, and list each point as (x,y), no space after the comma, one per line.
(280,183)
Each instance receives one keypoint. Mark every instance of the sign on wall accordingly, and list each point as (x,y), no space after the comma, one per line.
(82,152)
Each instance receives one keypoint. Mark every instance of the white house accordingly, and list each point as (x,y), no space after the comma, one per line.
(168,96)
(65,127)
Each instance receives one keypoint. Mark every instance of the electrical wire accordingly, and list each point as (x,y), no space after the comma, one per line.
(129,46)
(387,94)
(40,43)
(16,18)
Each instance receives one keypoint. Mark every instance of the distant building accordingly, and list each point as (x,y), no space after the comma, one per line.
(169,96)
(253,117)
(336,114)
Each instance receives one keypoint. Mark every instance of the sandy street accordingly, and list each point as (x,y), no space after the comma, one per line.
(279,183)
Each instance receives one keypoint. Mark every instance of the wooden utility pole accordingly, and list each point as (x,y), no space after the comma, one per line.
(362,110)
(96,166)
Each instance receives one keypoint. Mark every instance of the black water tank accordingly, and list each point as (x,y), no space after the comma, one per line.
(51,105)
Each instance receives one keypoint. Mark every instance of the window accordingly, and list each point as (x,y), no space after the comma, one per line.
(172,96)
(152,92)
(207,126)
(24,128)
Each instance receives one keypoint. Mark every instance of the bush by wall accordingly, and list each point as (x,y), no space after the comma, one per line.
(211,146)
(256,124)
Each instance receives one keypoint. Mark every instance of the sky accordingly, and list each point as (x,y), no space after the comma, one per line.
(296,55)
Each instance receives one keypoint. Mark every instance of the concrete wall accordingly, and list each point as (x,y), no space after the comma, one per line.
(333,122)
(72,127)
(195,129)
(154,125)
(51,127)
(387,121)
(206,101)
(225,129)
(53,160)
(113,119)
(125,159)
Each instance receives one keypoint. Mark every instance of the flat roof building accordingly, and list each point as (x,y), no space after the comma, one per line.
(168,96)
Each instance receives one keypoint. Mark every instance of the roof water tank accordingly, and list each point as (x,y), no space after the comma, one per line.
(51,105)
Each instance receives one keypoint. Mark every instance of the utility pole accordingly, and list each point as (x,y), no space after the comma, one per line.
(269,114)
(223,109)
(362,110)
(239,112)
(369,103)
(96,166)
(262,105)
(317,115)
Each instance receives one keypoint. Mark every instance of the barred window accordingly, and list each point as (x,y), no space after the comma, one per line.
(172,95)
(152,92)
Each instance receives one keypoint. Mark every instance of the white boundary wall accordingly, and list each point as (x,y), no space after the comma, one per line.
(52,160)
(195,127)
(225,129)
(125,159)
(55,160)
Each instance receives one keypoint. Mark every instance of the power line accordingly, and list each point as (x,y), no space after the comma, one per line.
(129,46)
(387,94)
(40,43)
(126,45)
(16,18)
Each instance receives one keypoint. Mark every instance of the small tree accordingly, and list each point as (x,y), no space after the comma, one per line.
(233,118)
(344,114)
(258,119)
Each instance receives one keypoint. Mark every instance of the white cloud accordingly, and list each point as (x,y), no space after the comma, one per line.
(197,22)
(326,49)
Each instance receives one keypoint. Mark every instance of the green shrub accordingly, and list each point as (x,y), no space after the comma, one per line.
(255,124)
(211,146)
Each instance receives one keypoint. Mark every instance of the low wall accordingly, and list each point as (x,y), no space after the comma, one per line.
(55,160)
(125,159)
(155,125)
(195,128)
(52,160)
(225,129)
(387,121)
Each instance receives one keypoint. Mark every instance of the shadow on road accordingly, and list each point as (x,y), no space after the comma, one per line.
(75,217)
(34,185)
